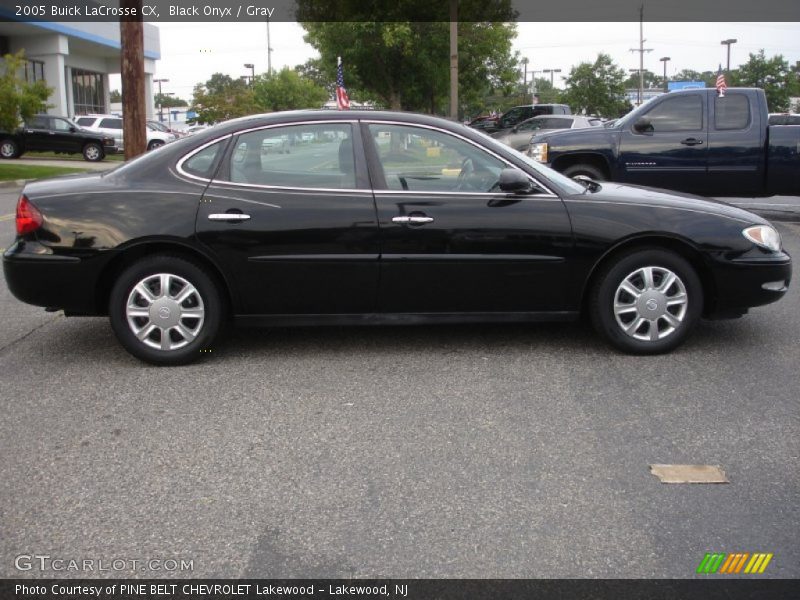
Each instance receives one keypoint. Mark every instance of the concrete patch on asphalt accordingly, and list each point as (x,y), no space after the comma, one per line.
(689,473)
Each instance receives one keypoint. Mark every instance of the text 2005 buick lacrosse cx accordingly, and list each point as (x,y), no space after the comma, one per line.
(315,217)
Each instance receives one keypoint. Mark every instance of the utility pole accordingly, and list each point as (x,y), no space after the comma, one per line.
(454,59)
(728,43)
(552,71)
(641,50)
(524,62)
(664,59)
(132,71)
(269,52)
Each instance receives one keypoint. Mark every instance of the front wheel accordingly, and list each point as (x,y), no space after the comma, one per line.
(93,152)
(647,302)
(9,148)
(165,310)
(155,144)
(589,171)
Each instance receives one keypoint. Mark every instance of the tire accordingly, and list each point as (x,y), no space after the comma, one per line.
(615,311)
(154,144)
(162,315)
(9,148)
(93,152)
(589,171)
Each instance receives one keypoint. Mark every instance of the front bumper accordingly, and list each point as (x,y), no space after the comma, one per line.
(748,282)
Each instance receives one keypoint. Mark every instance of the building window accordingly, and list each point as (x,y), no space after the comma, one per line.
(88,92)
(33,71)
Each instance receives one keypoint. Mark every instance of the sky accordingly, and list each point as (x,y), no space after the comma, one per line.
(192,52)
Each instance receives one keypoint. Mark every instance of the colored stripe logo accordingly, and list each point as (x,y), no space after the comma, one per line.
(734,563)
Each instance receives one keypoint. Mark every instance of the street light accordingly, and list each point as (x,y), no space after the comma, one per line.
(524,62)
(252,68)
(169,118)
(551,71)
(664,59)
(160,99)
(728,43)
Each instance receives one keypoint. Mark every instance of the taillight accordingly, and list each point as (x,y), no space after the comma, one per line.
(29,219)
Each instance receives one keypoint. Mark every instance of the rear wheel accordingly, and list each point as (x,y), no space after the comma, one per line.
(589,171)
(165,310)
(93,152)
(647,302)
(9,148)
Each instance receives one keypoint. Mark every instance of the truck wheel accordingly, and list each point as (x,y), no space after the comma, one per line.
(647,301)
(589,171)
(9,148)
(93,152)
(155,144)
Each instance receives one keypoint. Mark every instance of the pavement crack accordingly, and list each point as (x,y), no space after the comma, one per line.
(28,334)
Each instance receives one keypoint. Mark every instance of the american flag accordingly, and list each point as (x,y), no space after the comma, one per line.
(721,85)
(342,101)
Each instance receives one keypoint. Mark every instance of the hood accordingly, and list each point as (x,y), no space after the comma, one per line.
(640,195)
(558,135)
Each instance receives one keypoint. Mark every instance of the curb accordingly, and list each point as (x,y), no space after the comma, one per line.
(14,183)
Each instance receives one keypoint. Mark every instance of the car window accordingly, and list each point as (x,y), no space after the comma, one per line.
(85,121)
(318,155)
(552,123)
(111,124)
(202,163)
(418,159)
(38,123)
(731,111)
(61,124)
(681,113)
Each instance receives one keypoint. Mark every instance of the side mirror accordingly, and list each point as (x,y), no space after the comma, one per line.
(72,129)
(514,181)
(643,125)
(515,129)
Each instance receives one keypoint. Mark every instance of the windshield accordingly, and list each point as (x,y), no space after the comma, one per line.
(158,126)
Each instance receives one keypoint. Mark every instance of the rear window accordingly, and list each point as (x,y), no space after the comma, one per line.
(111,123)
(38,123)
(202,164)
(85,121)
(731,111)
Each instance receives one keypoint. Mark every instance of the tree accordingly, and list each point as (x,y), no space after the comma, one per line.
(115,96)
(597,88)
(405,64)
(773,75)
(167,101)
(707,77)
(651,80)
(287,90)
(546,92)
(20,99)
(222,98)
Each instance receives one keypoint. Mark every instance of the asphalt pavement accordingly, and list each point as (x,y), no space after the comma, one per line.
(450,451)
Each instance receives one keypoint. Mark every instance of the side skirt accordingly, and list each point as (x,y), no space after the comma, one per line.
(402,318)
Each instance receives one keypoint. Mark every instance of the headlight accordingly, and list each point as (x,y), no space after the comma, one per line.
(538,152)
(764,236)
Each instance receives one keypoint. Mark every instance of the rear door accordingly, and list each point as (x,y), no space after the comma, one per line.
(38,135)
(673,152)
(736,157)
(291,218)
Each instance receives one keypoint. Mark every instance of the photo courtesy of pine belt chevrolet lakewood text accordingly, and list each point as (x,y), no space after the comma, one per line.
(350,217)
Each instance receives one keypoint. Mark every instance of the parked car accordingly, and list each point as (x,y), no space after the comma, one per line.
(784,119)
(158,126)
(112,125)
(393,218)
(192,129)
(518,114)
(519,136)
(46,133)
(689,140)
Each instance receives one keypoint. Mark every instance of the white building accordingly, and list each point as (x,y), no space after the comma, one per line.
(75,59)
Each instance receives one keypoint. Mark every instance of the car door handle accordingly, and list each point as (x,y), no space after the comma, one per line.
(416,219)
(228,217)
(691,142)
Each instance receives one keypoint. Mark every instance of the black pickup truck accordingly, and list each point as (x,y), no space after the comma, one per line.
(694,140)
(45,133)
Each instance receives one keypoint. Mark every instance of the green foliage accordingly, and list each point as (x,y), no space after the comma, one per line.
(168,101)
(115,96)
(709,77)
(287,90)
(546,92)
(222,98)
(651,80)
(773,75)
(597,88)
(406,64)
(9,172)
(19,99)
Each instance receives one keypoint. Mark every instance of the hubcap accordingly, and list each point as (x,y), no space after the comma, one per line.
(7,150)
(650,303)
(165,311)
(92,152)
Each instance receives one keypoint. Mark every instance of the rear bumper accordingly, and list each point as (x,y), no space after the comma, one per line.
(36,276)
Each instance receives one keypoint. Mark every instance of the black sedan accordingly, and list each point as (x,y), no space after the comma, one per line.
(377,217)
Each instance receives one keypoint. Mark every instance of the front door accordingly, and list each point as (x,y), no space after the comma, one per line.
(291,218)
(451,242)
(672,152)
